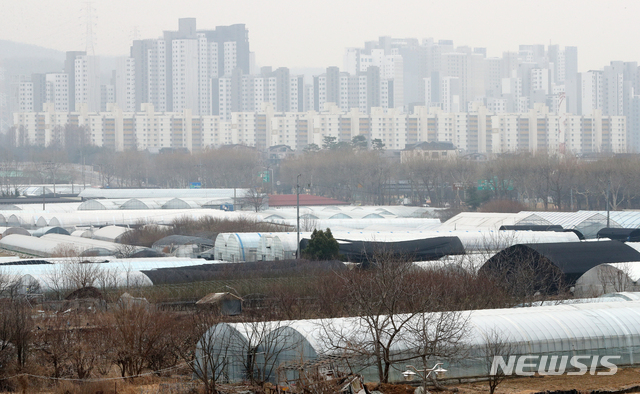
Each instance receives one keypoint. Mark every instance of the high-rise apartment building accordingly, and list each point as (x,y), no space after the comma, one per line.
(58,91)
(87,82)
(124,84)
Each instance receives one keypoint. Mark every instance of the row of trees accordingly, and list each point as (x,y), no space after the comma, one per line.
(358,171)
(371,177)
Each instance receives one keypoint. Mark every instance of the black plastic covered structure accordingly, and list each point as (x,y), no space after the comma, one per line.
(416,250)
(550,266)
(258,269)
(532,227)
(182,240)
(620,234)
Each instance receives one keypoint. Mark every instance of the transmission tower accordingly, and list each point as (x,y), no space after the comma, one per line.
(135,33)
(89,22)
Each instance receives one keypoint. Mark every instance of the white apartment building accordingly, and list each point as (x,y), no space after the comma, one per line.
(591,91)
(185,75)
(87,82)
(125,84)
(540,80)
(294,94)
(157,83)
(230,57)
(204,78)
(477,131)
(58,91)
(25,96)
(224,98)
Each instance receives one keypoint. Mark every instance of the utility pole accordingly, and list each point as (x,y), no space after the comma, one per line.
(298,216)
(608,205)
(47,166)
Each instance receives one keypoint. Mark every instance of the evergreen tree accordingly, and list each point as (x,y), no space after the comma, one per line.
(322,246)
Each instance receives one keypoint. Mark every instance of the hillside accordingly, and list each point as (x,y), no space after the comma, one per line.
(25,59)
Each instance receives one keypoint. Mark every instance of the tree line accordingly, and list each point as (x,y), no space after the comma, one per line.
(358,172)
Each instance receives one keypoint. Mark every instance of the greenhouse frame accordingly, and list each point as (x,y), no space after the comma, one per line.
(558,332)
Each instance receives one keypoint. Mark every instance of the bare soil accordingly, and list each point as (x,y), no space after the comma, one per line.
(624,378)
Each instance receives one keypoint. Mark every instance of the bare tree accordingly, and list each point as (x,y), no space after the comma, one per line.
(206,347)
(266,342)
(496,345)
(254,199)
(438,336)
(525,275)
(82,274)
(613,278)
(390,301)
(138,329)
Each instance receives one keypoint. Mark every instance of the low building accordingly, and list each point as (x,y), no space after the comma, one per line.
(434,150)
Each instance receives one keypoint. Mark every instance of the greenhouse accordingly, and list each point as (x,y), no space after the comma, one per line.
(101,205)
(481,220)
(582,329)
(107,233)
(486,240)
(182,245)
(50,207)
(14,230)
(180,203)
(626,219)
(128,272)
(28,246)
(550,262)
(103,218)
(140,204)
(620,234)
(241,247)
(220,246)
(283,245)
(49,230)
(51,244)
(607,278)
(353,224)
(532,227)
(587,222)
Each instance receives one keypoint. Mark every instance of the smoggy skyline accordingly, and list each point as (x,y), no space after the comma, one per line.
(315,33)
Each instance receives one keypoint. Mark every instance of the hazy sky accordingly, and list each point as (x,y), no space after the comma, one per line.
(314,33)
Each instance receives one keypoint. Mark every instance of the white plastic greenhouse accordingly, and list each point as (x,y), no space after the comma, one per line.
(626,219)
(481,220)
(609,277)
(122,272)
(399,223)
(582,329)
(587,222)
(220,246)
(241,247)
(162,193)
(118,217)
(50,244)
(107,233)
